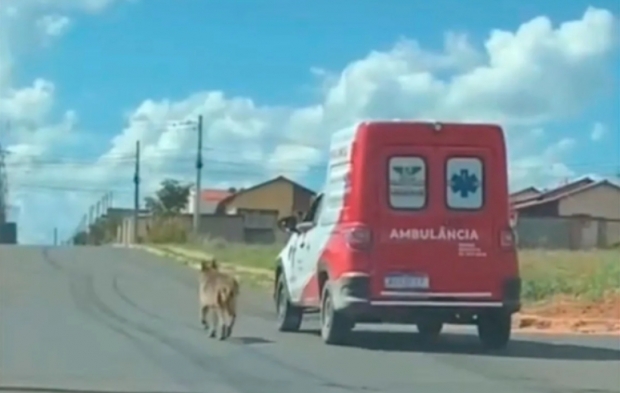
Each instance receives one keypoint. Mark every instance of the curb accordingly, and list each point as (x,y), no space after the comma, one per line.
(195,256)
(193,262)
(166,253)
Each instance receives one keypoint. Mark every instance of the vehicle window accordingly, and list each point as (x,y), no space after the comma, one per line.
(407,182)
(313,212)
(465,183)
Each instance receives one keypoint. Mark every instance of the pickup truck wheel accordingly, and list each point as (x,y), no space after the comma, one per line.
(335,326)
(289,317)
(429,330)
(494,329)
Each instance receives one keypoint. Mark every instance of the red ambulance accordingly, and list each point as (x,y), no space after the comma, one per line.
(412,226)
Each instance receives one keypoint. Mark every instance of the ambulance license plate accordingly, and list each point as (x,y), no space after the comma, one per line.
(405,281)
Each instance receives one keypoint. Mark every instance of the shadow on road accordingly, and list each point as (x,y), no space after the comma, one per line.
(250,340)
(466,344)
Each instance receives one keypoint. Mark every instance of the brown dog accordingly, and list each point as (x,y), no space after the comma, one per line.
(218,299)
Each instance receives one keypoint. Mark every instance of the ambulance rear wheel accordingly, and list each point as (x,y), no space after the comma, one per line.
(494,329)
(335,326)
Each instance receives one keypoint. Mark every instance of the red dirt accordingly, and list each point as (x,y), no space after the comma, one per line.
(566,315)
(565,307)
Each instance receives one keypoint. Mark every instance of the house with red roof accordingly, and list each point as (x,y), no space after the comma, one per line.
(209,199)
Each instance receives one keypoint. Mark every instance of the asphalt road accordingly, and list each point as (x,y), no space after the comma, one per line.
(117,320)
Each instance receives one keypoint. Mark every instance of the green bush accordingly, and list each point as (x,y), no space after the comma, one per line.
(166,231)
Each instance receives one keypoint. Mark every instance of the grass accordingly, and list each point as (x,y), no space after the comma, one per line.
(248,255)
(583,275)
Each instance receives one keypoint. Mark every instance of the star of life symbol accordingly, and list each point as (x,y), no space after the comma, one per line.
(464,183)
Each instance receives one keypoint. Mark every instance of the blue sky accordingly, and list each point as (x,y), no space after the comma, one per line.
(107,63)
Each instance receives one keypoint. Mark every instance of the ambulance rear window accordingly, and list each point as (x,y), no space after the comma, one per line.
(464,183)
(407,176)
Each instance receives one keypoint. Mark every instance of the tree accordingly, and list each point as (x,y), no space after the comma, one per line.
(80,238)
(170,199)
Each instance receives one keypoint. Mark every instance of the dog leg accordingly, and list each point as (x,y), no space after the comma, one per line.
(221,316)
(231,323)
(204,310)
(229,312)
(212,323)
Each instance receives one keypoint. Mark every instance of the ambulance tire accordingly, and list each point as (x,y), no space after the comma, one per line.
(429,330)
(494,329)
(335,326)
(289,317)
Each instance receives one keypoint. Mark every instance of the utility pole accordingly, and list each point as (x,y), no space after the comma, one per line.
(98,209)
(136,200)
(198,178)
(3,188)
(55,236)
(108,198)
(91,217)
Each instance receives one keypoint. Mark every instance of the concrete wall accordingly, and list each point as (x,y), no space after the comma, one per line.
(229,228)
(571,233)
(8,233)
(124,233)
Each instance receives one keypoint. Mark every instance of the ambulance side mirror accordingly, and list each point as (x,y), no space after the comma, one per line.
(303,227)
(288,224)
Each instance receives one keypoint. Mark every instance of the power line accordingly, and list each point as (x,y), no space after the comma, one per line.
(244,168)
(124,191)
(162,152)
(175,156)
(169,161)
(46,187)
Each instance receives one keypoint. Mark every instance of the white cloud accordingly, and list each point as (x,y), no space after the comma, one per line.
(53,25)
(20,7)
(522,79)
(544,167)
(598,131)
(28,104)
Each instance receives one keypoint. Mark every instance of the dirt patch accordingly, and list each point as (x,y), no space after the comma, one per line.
(566,307)
(564,314)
